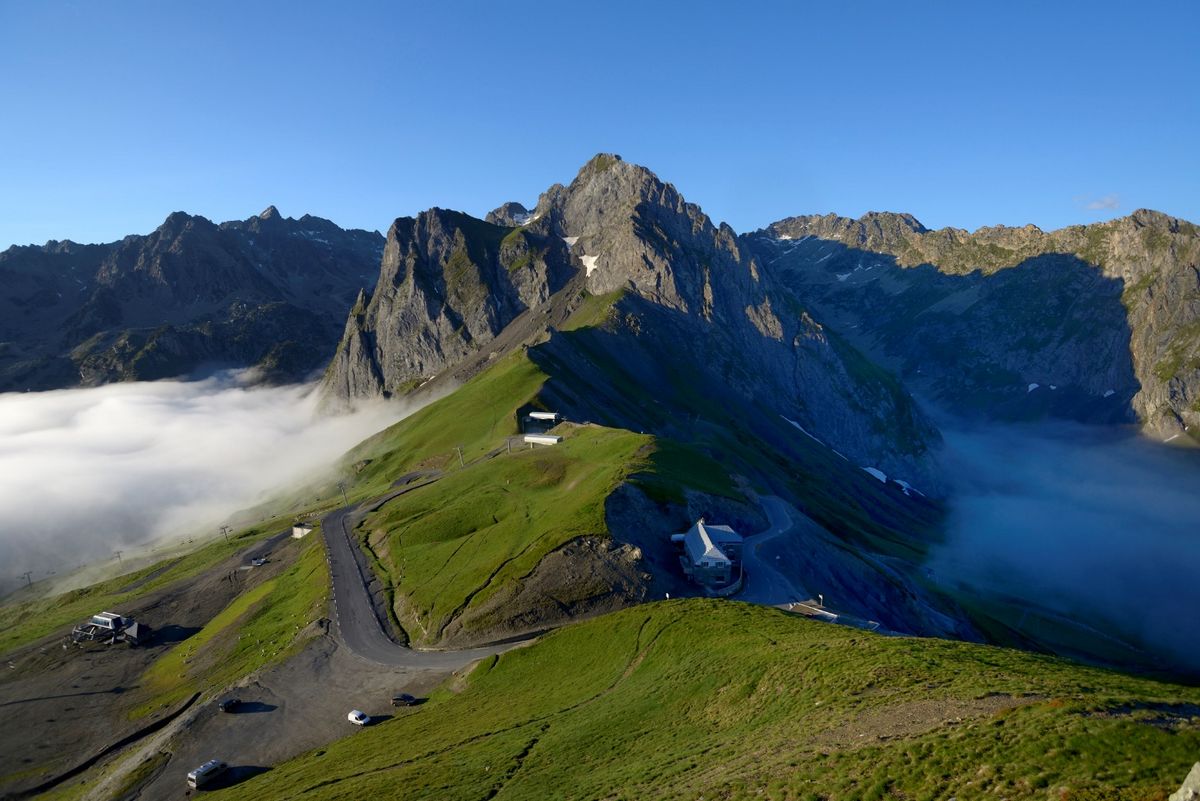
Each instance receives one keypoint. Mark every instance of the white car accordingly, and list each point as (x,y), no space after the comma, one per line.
(358,717)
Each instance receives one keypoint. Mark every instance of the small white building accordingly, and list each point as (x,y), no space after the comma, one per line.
(712,555)
(539,422)
(301,530)
(542,439)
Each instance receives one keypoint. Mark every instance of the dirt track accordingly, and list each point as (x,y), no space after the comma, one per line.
(292,708)
(61,706)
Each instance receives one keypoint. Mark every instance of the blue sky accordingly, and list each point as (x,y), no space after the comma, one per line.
(965,114)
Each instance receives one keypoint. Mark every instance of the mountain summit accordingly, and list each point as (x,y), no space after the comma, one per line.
(456,292)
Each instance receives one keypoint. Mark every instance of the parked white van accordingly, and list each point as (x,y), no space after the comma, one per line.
(206,773)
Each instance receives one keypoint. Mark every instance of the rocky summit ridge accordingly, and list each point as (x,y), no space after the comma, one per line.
(269,291)
(684,291)
(1107,314)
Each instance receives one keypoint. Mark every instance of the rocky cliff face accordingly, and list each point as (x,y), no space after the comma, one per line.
(1104,319)
(692,296)
(448,285)
(268,291)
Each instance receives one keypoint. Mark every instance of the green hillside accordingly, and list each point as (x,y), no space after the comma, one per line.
(696,698)
(447,548)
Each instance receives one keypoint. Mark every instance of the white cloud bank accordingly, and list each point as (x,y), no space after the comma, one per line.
(84,472)
(1097,526)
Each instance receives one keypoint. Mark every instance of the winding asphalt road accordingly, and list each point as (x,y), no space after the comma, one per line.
(764,583)
(358,625)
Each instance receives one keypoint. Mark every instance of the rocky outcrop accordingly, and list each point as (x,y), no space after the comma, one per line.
(1190,790)
(448,285)
(268,291)
(509,215)
(698,314)
(587,576)
(1108,314)
(694,292)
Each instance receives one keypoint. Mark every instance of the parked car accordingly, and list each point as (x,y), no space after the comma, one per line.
(206,773)
(358,717)
(229,704)
(404,699)
(259,562)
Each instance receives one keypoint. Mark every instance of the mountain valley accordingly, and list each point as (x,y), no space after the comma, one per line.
(806,384)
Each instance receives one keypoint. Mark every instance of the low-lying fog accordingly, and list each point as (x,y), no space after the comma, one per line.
(86,472)
(1103,527)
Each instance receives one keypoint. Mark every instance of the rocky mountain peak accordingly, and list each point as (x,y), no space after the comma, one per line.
(509,214)
(885,220)
(269,213)
(1149,218)
(450,285)
(175,221)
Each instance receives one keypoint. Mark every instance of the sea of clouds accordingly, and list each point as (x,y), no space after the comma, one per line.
(1099,526)
(87,472)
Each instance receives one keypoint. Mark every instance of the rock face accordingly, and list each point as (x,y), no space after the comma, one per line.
(1190,791)
(269,291)
(1106,314)
(448,285)
(509,215)
(695,312)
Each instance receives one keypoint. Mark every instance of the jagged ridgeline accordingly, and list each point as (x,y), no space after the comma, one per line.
(268,291)
(687,324)
(1098,323)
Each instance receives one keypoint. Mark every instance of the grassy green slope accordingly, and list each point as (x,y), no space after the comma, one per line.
(262,626)
(454,543)
(478,416)
(446,549)
(689,698)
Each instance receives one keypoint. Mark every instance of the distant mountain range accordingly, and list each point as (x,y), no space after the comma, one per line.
(267,292)
(1098,323)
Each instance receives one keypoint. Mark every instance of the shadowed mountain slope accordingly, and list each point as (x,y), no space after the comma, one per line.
(268,291)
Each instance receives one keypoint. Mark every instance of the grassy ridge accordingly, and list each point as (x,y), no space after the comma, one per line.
(451,545)
(478,416)
(263,625)
(689,698)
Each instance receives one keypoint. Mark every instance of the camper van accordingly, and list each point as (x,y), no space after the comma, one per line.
(206,773)
(108,620)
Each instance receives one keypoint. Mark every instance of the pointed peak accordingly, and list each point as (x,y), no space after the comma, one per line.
(510,215)
(602,162)
(269,213)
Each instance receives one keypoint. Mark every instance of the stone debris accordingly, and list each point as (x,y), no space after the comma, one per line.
(1190,791)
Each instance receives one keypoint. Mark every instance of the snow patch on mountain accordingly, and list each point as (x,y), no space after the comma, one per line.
(879,474)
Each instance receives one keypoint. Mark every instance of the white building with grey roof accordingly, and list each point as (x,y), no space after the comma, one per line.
(712,554)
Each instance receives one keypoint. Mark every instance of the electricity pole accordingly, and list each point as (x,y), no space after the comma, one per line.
(225,531)
(120,561)
(28,576)
(342,487)
(459,448)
